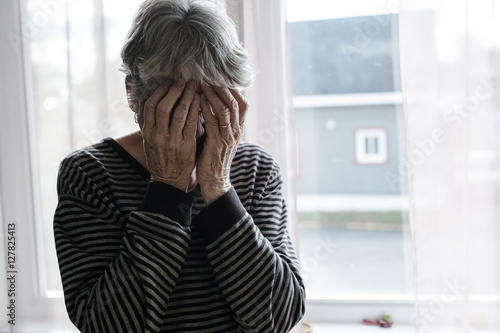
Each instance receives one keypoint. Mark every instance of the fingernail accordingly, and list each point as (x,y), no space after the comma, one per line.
(168,83)
(191,85)
(180,83)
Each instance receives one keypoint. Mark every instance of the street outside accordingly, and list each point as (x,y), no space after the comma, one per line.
(339,260)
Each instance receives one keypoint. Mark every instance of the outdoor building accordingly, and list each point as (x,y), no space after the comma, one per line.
(349,121)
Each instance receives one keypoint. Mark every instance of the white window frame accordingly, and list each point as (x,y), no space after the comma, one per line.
(18,193)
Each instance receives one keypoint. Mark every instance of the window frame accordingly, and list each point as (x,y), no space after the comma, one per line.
(350,308)
(19,193)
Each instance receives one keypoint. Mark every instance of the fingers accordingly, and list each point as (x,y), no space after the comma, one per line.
(228,99)
(178,120)
(211,122)
(166,105)
(223,109)
(192,118)
(152,102)
(242,105)
(140,114)
(223,104)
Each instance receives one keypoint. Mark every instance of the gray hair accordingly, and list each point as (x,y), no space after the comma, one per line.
(183,39)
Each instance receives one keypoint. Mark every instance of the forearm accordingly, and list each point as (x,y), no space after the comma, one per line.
(261,282)
(119,280)
(263,287)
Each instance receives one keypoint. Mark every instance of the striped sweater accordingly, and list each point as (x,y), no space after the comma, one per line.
(140,256)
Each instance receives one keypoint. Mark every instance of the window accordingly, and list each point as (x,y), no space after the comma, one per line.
(78,48)
(370,146)
(353,224)
(354,239)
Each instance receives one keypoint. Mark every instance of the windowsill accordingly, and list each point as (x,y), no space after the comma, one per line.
(43,327)
(317,328)
(356,328)
(360,328)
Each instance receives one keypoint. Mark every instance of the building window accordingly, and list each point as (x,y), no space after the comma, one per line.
(371,146)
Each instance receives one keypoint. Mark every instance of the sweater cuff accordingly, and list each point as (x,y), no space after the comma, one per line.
(220,216)
(169,201)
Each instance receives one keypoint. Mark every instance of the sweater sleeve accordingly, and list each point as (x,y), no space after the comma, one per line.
(117,272)
(253,259)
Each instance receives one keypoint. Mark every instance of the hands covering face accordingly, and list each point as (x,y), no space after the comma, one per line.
(170,121)
(224,112)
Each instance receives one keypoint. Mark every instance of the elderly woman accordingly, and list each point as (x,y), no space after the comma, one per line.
(178,227)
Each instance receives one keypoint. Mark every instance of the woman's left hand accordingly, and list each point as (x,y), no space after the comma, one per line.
(224,112)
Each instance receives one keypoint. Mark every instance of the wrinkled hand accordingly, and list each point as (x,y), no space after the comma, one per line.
(169,135)
(224,112)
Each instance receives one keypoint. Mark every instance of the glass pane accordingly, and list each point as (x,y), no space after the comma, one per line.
(354,233)
(77,89)
(374,146)
(371,145)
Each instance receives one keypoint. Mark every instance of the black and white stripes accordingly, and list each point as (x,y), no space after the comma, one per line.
(132,263)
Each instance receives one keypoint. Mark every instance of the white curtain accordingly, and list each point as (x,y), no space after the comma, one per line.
(449,62)
(263,29)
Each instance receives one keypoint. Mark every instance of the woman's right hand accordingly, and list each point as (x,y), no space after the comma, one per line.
(169,136)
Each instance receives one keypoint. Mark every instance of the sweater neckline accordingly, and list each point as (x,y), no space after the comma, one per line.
(141,170)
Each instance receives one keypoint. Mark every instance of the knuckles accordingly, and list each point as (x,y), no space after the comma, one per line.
(224,111)
(170,147)
(237,135)
(149,106)
(212,121)
(234,105)
(180,111)
(162,108)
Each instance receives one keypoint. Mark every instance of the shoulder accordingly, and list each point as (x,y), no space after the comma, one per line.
(87,157)
(76,167)
(252,155)
(254,172)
